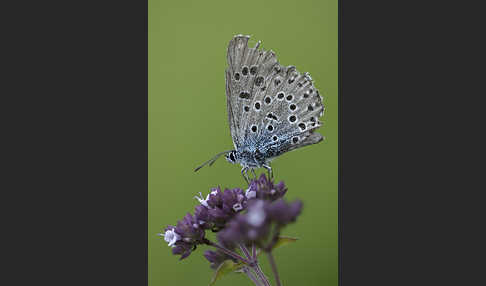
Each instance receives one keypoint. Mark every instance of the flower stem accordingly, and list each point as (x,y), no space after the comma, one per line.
(260,275)
(247,253)
(229,252)
(252,277)
(256,266)
(274,268)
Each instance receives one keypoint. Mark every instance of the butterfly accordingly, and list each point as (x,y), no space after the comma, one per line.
(272,109)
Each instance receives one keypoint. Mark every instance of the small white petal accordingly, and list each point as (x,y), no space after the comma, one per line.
(250,194)
(201,200)
(237,207)
(171,237)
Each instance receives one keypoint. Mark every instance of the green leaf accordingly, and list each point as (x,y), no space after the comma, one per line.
(225,268)
(284,240)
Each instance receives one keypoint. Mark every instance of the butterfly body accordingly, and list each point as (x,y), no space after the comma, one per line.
(272,109)
(253,156)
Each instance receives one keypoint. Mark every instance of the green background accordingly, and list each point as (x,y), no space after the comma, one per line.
(187,124)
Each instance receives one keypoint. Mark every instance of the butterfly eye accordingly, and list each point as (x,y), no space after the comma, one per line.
(280,95)
(270,128)
(244,71)
(237,76)
(246,108)
(289,97)
(254,128)
(292,107)
(274,138)
(268,100)
(302,126)
(253,70)
(292,118)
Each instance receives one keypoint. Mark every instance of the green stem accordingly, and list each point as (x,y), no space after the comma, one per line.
(260,275)
(255,267)
(274,268)
(252,277)
(229,252)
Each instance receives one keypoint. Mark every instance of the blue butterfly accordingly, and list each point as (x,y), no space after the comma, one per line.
(272,109)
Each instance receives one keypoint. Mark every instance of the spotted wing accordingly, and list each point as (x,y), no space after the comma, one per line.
(278,108)
(247,70)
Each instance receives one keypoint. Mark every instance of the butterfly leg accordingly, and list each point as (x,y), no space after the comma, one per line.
(269,169)
(254,174)
(245,175)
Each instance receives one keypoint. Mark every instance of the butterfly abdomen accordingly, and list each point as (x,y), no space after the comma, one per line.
(246,158)
(258,157)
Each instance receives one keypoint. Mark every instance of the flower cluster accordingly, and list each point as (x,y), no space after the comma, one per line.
(241,217)
(215,258)
(264,189)
(260,224)
(219,207)
(185,236)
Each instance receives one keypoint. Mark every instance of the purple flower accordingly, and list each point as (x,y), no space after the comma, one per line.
(201,213)
(170,236)
(252,216)
(255,225)
(189,230)
(216,258)
(252,226)
(183,249)
(185,236)
(215,198)
(284,213)
(264,188)
(219,207)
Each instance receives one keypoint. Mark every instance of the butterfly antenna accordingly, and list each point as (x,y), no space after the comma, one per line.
(212,160)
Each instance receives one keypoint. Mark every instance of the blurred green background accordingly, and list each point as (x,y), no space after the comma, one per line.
(187,124)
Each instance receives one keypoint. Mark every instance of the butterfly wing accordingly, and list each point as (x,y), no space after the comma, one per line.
(246,66)
(269,106)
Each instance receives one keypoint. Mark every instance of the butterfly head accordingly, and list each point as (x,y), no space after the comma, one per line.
(231,157)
